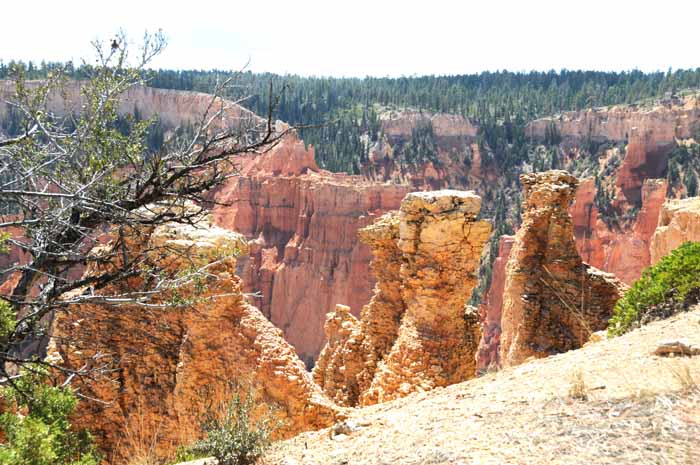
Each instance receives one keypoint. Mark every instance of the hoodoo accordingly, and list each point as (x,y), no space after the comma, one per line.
(429,252)
(552,300)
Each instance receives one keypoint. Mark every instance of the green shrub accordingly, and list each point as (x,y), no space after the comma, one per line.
(670,286)
(42,433)
(232,437)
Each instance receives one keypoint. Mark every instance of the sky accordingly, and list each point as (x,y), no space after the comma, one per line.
(367,37)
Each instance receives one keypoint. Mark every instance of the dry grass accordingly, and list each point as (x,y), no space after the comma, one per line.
(682,374)
(577,387)
(140,441)
(637,412)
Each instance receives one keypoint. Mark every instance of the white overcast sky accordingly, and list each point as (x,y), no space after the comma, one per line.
(369,37)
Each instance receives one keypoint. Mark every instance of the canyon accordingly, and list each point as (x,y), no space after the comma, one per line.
(649,132)
(302,221)
(364,278)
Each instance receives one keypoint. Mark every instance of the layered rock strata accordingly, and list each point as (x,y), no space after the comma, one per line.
(168,363)
(420,337)
(552,300)
(666,120)
(302,225)
(679,222)
(623,250)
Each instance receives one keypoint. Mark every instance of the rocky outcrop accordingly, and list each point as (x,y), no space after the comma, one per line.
(664,121)
(167,363)
(302,225)
(454,159)
(420,337)
(679,222)
(621,249)
(552,300)
(491,308)
(400,124)
(172,107)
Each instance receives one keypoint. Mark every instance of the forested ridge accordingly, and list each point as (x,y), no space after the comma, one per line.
(501,103)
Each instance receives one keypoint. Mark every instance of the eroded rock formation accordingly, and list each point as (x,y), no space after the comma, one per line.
(664,120)
(491,308)
(453,161)
(552,300)
(679,222)
(302,225)
(622,250)
(169,362)
(353,351)
(415,334)
(172,107)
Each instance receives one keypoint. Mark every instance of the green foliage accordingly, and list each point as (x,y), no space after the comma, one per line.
(421,147)
(42,434)
(186,454)
(674,281)
(232,436)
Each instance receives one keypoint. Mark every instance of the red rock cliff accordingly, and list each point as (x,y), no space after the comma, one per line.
(621,250)
(302,225)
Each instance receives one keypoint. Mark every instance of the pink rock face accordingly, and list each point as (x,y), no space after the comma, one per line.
(490,309)
(173,107)
(625,252)
(666,120)
(646,158)
(302,222)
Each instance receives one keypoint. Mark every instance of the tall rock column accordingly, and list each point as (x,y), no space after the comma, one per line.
(441,243)
(552,300)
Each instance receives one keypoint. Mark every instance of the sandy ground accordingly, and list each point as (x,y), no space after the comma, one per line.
(638,409)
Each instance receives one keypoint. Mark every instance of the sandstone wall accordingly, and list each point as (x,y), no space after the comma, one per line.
(302,226)
(173,107)
(167,362)
(679,222)
(664,121)
(552,300)
(623,250)
(420,337)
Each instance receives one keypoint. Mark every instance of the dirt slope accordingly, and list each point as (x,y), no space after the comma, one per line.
(635,412)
